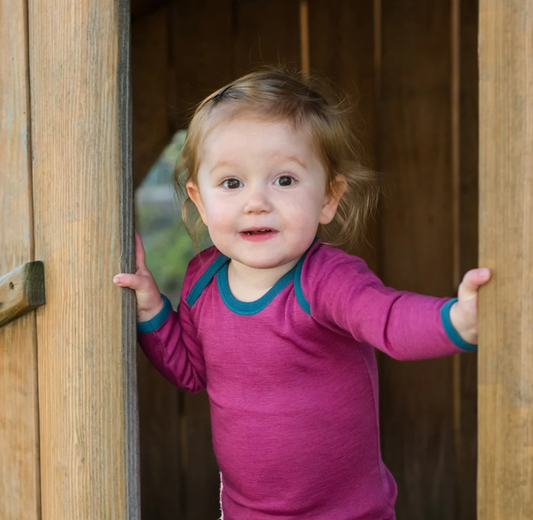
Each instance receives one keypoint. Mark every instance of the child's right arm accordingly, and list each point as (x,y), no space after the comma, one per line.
(167,337)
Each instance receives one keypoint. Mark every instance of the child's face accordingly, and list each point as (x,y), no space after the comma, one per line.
(261,191)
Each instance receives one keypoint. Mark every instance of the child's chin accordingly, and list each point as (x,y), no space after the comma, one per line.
(264,263)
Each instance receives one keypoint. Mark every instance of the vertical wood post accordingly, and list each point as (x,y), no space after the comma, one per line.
(506,245)
(80,110)
(19,418)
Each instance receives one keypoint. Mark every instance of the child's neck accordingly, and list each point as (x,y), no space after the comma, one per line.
(248,284)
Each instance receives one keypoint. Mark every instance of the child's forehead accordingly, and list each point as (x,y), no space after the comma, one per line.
(246,120)
(276,137)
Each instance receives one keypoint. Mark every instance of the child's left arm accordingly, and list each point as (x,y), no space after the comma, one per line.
(463,313)
(405,325)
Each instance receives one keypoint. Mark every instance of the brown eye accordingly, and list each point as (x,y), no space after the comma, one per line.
(285,180)
(232,184)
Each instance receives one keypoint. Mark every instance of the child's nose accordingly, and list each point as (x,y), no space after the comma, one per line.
(258,202)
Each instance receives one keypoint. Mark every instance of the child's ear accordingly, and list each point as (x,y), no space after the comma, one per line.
(194,194)
(331,200)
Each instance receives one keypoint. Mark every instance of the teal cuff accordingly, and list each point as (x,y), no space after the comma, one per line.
(450,329)
(145,327)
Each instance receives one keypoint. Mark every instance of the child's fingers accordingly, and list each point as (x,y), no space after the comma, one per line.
(472,281)
(133,281)
(140,255)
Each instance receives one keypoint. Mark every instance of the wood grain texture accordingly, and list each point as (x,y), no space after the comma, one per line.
(19,416)
(342,50)
(414,152)
(127,261)
(81,127)
(506,246)
(150,79)
(21,291)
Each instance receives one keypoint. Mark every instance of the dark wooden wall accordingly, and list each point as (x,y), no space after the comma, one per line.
(411,67)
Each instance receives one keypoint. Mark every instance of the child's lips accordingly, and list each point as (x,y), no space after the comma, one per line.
(258,234)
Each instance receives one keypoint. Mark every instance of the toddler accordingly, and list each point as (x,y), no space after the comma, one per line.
(278,325)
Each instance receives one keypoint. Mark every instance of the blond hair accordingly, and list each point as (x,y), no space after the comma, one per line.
(279,95)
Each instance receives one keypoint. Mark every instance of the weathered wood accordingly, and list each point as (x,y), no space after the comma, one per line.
(505,481)
(414,151)
(126,257)
(19,417)
(342,49)
(21,291)
(83,209)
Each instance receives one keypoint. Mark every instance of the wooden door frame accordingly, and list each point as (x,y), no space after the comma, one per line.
(71,392)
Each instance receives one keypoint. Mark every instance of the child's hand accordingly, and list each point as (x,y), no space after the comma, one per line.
(149,301)
(463,313)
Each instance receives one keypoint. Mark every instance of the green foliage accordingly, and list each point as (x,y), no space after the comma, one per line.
(161,172)
(169,252)
(168,247)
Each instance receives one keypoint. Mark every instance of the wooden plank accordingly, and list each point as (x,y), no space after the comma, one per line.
(21,291)
(81,128)
(145,8)
(414,151)
(19,419)
(506,228)
(467,258)
(342,49)
(266,32)
(304,37)
(201,58)
(202,485)
(161,454)
(150,43)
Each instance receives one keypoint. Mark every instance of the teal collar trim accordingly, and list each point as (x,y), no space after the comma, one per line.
(302,300)
(219,267)
(249,308)
(204,280)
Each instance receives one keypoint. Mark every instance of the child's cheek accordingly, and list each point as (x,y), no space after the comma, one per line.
(220,215)
(303,211)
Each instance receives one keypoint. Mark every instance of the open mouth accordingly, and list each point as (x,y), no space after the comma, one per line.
(252,232)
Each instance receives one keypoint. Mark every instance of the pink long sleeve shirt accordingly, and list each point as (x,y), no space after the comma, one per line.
(292,380)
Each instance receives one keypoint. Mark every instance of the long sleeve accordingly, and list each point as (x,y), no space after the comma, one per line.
(346,296)
(170,342)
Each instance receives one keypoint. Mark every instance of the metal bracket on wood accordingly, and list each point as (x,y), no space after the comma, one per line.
(21,291)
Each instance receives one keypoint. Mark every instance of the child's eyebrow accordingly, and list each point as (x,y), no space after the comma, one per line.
(221,164)
(282,156)
(292,158)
